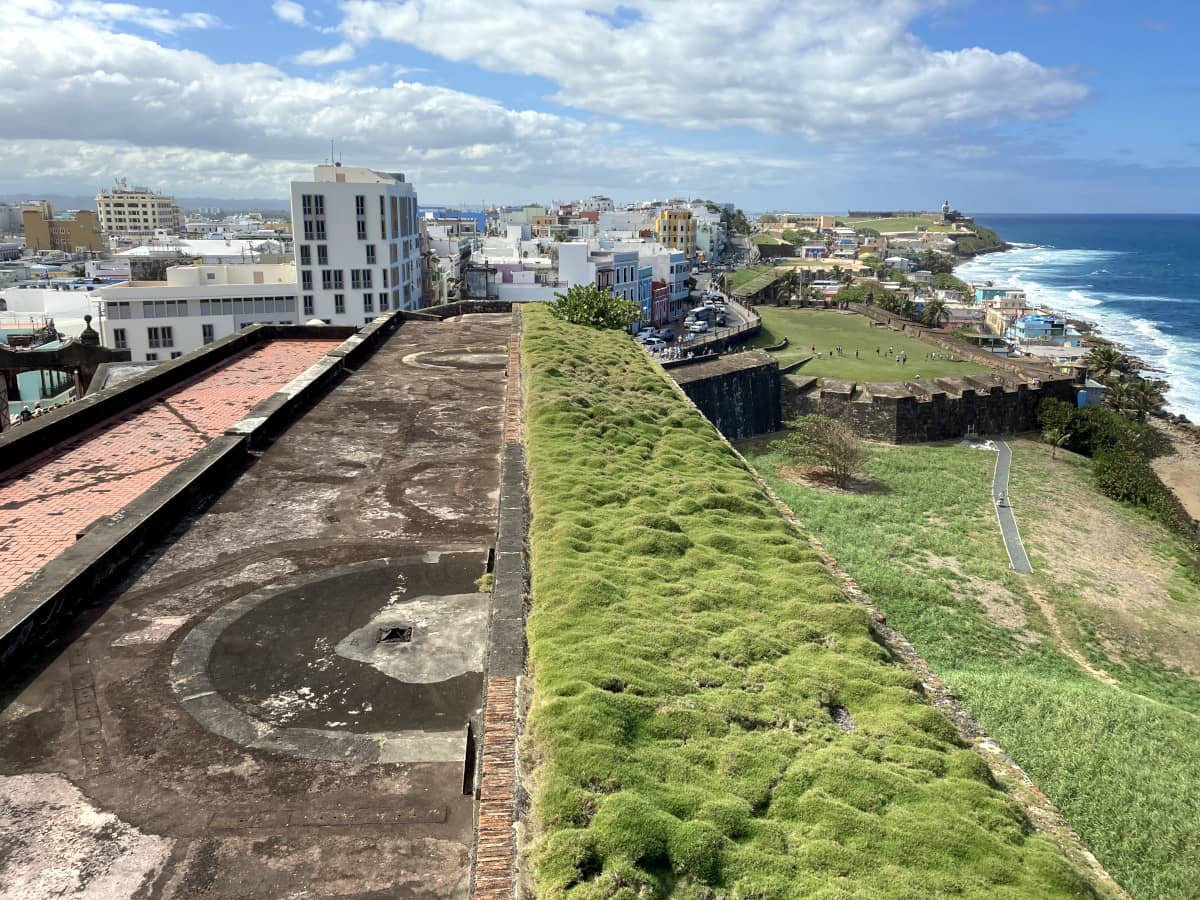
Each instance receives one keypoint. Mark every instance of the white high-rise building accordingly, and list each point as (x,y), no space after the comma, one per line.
(358,244)
(137,212)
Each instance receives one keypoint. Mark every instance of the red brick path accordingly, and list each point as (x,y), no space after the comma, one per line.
(496,841)
(47,503)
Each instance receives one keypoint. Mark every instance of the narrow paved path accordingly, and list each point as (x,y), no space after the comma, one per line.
(1008,524)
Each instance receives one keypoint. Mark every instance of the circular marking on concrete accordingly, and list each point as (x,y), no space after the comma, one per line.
(295,669)
(470,358)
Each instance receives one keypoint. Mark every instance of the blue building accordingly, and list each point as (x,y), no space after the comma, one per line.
(645,294)
(447,212)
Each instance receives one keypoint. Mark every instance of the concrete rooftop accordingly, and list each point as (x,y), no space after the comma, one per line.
(227,721)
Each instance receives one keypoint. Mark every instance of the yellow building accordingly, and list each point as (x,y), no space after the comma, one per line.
(69,232)
(676,228)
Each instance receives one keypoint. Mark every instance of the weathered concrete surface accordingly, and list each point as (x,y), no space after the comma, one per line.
(397,462)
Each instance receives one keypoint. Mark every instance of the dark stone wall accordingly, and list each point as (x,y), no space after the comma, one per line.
(910,420)
(740,404)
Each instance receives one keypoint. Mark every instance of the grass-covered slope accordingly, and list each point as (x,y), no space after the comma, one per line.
(688,649)
(1086,672)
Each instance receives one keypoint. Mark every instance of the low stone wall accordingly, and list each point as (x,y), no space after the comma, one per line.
(912,412)
(738,393)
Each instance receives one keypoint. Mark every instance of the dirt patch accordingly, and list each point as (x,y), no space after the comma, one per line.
(1089,541)
(1180,471)
(998,603)
(823,480)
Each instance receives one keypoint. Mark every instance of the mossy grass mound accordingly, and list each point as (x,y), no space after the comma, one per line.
(688,647)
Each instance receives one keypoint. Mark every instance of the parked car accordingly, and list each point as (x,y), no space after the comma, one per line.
(698,327)
(665,334)
(653,343)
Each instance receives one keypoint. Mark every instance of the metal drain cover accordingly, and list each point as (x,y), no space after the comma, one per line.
(394,634)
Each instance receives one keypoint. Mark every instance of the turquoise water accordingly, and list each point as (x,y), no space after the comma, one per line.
(1135,276)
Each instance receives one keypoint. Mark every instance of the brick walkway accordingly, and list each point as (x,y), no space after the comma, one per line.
(496,842)
(45,505)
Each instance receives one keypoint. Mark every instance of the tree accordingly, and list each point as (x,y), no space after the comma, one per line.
(933,313)
(935,262)
(1055,436)
(768,219)
(586,304)
(1105,359)
(822,441)
(944,281)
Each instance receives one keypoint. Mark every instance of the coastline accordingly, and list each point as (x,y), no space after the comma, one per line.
(1179,468)
(1092,331)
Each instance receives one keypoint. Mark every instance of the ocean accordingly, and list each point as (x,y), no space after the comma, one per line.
(1137,277)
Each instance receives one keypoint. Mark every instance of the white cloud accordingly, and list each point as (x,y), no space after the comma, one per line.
(810,67)
(326,56)
(195,126)
(109,14)
(289,11)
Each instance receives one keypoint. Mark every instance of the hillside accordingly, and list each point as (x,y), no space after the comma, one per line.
(1087,672)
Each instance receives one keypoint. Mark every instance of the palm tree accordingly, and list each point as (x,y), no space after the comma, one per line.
(1105,359)
(1056,436)
(1145,397)
(933,312)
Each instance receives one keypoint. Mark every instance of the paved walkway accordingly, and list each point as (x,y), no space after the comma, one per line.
(45,505)
(1008,524)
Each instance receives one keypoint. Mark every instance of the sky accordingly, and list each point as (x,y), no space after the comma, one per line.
(807,105)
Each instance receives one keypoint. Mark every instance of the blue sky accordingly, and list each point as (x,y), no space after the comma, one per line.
(1045,105)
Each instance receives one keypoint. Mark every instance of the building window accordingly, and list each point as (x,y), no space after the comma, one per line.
(120,342)
(370,254)
(308,304)
(151,357)
(154,336)
(368,303)
(356,279)
(305,255)
(306,280)
(206,333)
(338,279)
(322,255)
(326,280)
(366,278)
(339,303)
(176,354)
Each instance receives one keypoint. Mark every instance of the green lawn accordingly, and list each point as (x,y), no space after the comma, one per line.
(831,328)
(897,224)
(766,239)
(689,651)
(1032,657)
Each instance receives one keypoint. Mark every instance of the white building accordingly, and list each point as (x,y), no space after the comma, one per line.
(137,212)
(358,244)
(626,221)
(158,320)
(208,252)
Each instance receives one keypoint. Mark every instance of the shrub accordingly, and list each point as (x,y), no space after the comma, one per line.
(586,304)
(825,442)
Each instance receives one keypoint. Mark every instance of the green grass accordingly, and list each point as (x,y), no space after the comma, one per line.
(830,328)
(687,647)
(897,224)
(766,239)
(1120,762)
